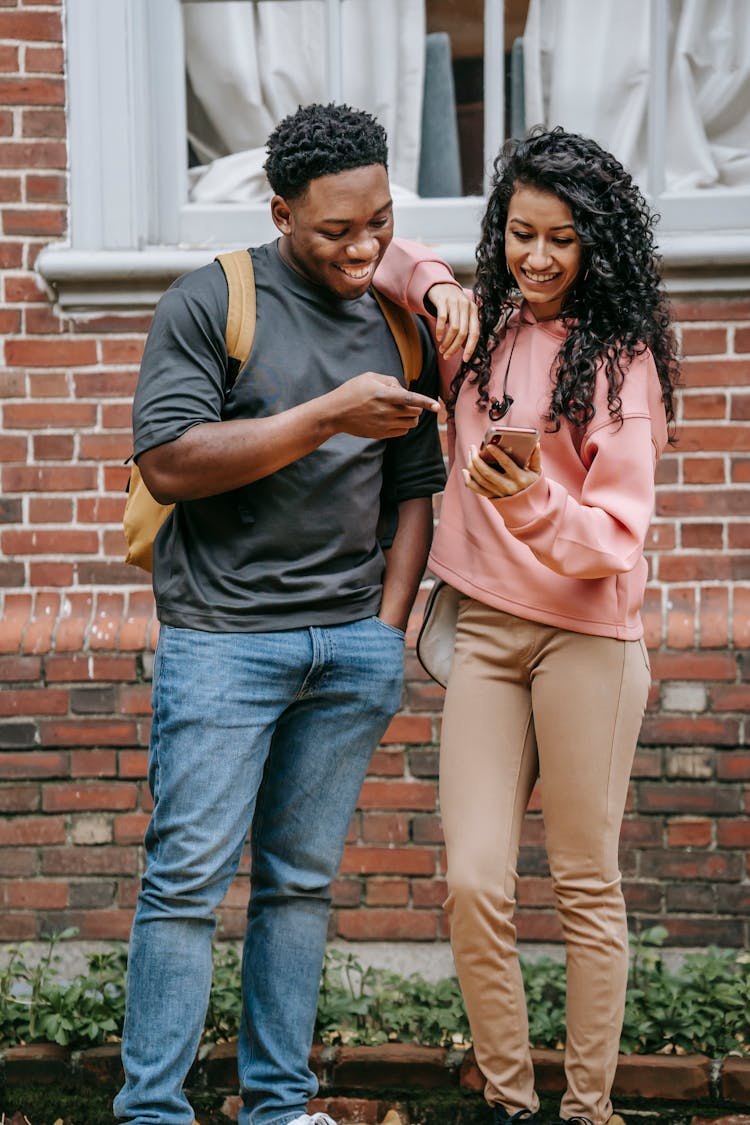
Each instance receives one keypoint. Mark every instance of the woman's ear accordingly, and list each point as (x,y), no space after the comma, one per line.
(281,214)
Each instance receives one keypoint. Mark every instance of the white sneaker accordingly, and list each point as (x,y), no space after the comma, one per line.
(313,1119)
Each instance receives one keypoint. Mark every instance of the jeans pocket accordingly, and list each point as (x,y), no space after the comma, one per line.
(400,633)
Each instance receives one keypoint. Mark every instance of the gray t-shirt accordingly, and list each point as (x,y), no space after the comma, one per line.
(298,547)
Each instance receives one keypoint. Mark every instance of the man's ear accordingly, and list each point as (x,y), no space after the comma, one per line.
(281,214)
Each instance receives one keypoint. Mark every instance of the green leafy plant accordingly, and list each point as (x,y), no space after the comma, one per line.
(703,1007)
(35,1005)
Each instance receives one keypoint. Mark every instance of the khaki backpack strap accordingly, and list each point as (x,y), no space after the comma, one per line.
(240,330)
(406,334)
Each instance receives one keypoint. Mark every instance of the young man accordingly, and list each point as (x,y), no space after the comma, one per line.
(279,664)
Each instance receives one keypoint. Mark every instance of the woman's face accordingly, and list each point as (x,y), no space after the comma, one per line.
(542,248)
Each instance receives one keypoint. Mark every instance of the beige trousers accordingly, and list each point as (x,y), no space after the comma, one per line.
(527,700)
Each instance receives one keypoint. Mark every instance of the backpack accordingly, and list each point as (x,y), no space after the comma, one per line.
(144,516)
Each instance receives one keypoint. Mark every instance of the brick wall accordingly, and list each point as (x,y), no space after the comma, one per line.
(78,629)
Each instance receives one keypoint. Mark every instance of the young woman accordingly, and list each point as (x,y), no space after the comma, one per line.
(550,672)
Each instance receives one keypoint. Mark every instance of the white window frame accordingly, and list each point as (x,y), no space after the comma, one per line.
(132,229)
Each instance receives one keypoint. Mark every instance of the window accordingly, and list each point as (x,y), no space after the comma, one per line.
(136,223)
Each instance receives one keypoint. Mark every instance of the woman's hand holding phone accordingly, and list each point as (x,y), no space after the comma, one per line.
(509,460)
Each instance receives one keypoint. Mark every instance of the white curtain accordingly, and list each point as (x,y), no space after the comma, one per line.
(251,64)
(586,67)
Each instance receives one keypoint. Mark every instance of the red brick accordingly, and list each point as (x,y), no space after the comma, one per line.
(733,766)
(703,536)
(398,795)
(50,509)
(44,60)
(36,895)
(117,322)
(46,189)
(99,509)
(101,925)
(38,763)
(386,925)
(730,697)
(714,617)
(716,373)
(18,798)
(538,925)
(387,763)
(738,536)
(46,124)
(43,322)
(79,667)
(741,618)
(74,352)
(385,828)
(81,861)
(10,191)
(679,1077)
(387,861)
(735,1082)
(39,478)
(50,574)
(88,795)
(21,831)
(103,384)
(733,833)
(693,666)
(704,568)
(18,927)
(704,341)
(9,61)
(34,701)
(676,865)
(126,350)
(711,502)
(105,447)
(689,832)
(88,732)
(687,797)
(692,730)
(33,541)
(49,415)
(742,343)
(38,632)
(681,622)
(31,26)
(700,406)
(33,154)
(409,729)
(132,763)
(53,447)
(16,613)
(387,892)
(12,448)
(35,221)
(93,763)
(131,828)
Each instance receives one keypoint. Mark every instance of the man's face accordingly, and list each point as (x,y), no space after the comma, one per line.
(337,231)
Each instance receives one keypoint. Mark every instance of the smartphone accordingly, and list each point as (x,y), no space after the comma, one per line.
(517,442)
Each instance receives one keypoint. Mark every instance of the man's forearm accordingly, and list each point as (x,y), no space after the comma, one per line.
(405,560)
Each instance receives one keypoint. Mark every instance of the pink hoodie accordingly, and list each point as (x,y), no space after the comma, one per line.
(568,550)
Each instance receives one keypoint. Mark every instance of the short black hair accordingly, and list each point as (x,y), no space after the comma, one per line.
(320,140)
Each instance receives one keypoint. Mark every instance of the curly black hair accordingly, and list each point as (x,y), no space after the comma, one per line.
(320,140)
(615,309)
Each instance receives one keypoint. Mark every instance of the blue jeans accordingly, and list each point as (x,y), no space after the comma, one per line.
(264,731)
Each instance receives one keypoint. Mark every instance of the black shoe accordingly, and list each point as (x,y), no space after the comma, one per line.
(521,1116)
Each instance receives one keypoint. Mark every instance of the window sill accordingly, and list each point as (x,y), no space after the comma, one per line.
(86,280)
